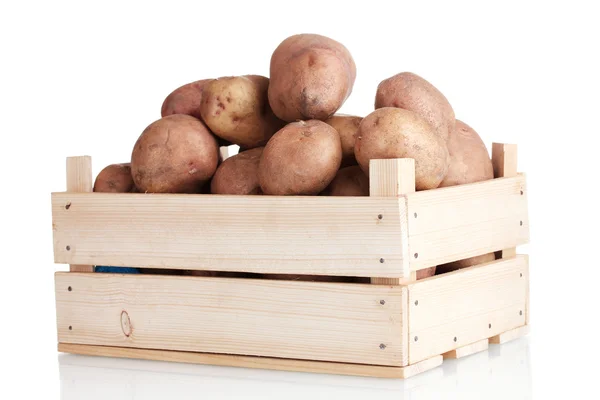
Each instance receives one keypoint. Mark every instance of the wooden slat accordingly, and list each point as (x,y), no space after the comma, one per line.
(79,180)
(303,320)
(394,178)
(471,304)
(510,335)
(313,235)
(504,160)
(459,222)
(268,363)
(464,351)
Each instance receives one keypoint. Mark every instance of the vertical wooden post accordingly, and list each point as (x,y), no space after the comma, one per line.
(394,178)
(79,179)
(504,160)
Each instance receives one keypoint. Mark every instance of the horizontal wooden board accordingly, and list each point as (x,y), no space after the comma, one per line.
(269,363)
(468,350)
(462,307)
(311,235)
(303,320)
(459,222)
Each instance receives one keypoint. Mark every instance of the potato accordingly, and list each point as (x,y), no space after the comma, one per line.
(349,181)
(397,133)
(411,92)
(465,263)
(185,99)
(347,126)
(310,278)
(300,159)
(311,77)
(115,178)
(236,109)
(238,174)
(470,161)
(426,273)
(175,154)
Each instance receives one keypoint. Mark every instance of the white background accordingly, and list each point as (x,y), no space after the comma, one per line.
(86,77)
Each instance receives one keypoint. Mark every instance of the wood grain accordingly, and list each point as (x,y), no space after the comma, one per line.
(79,180)
(263,234)
(278,364)
(504,160)
(459,222)
(394,178)
(462,307)
(302,320)
(510,335)
(464,351)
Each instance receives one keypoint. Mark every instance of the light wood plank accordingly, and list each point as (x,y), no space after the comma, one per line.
(510,335)
(313,235)
(79,180)
(303,320)
(459,222)
(394,178)
(278,364)
(504,160)
(462,307)
(464,351)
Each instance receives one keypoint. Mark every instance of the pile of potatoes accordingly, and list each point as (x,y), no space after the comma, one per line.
(292,139)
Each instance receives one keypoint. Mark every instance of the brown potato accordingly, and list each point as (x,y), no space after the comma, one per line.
(115,178)
(349,181)
(470,161)
(185,99)
(347,126)
(300,159)
(397,133)
(175,154)
(465,263)
(311,77)
(426,273)
(411,92)
(236,109)
(238,174)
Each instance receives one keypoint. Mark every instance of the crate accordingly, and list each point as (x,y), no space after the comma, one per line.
(395,326)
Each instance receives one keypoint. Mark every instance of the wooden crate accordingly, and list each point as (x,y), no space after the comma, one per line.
(394,326)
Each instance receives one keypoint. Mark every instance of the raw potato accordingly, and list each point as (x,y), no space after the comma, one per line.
(347,126)
(411,92)
(175,154)
(349,181)
(115,178)
(236,109)
(470,161)
(185,99)
(300,159)
(426,273)
(467,262)
(238,174)
(397,133)
(311,77)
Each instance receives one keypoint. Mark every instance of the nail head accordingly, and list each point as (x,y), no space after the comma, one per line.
(68,248)
(382,346)
(69,288)
(416,338)
(70,328)
(381,260)
(455,338)
(490,326)
(521,223)
(68,205)
(415,215)
(416,255)
(521,312)
(382,302)
(380,216)
(416,302)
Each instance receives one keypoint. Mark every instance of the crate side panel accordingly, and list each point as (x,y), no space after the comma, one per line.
(302,320)
(463,221)
(469,304)
(262,234)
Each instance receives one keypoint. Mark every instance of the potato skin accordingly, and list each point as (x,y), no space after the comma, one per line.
(411,92)
(470,161)
(397,133)
(115,178)
(347,127)
(238,174)
(426,273)
(185,99)
(300,159)
(311,77)
(465,263)
(236,109)
(349,181)
(175,154)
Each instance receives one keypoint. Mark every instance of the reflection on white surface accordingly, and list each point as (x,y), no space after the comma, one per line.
(502,372)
